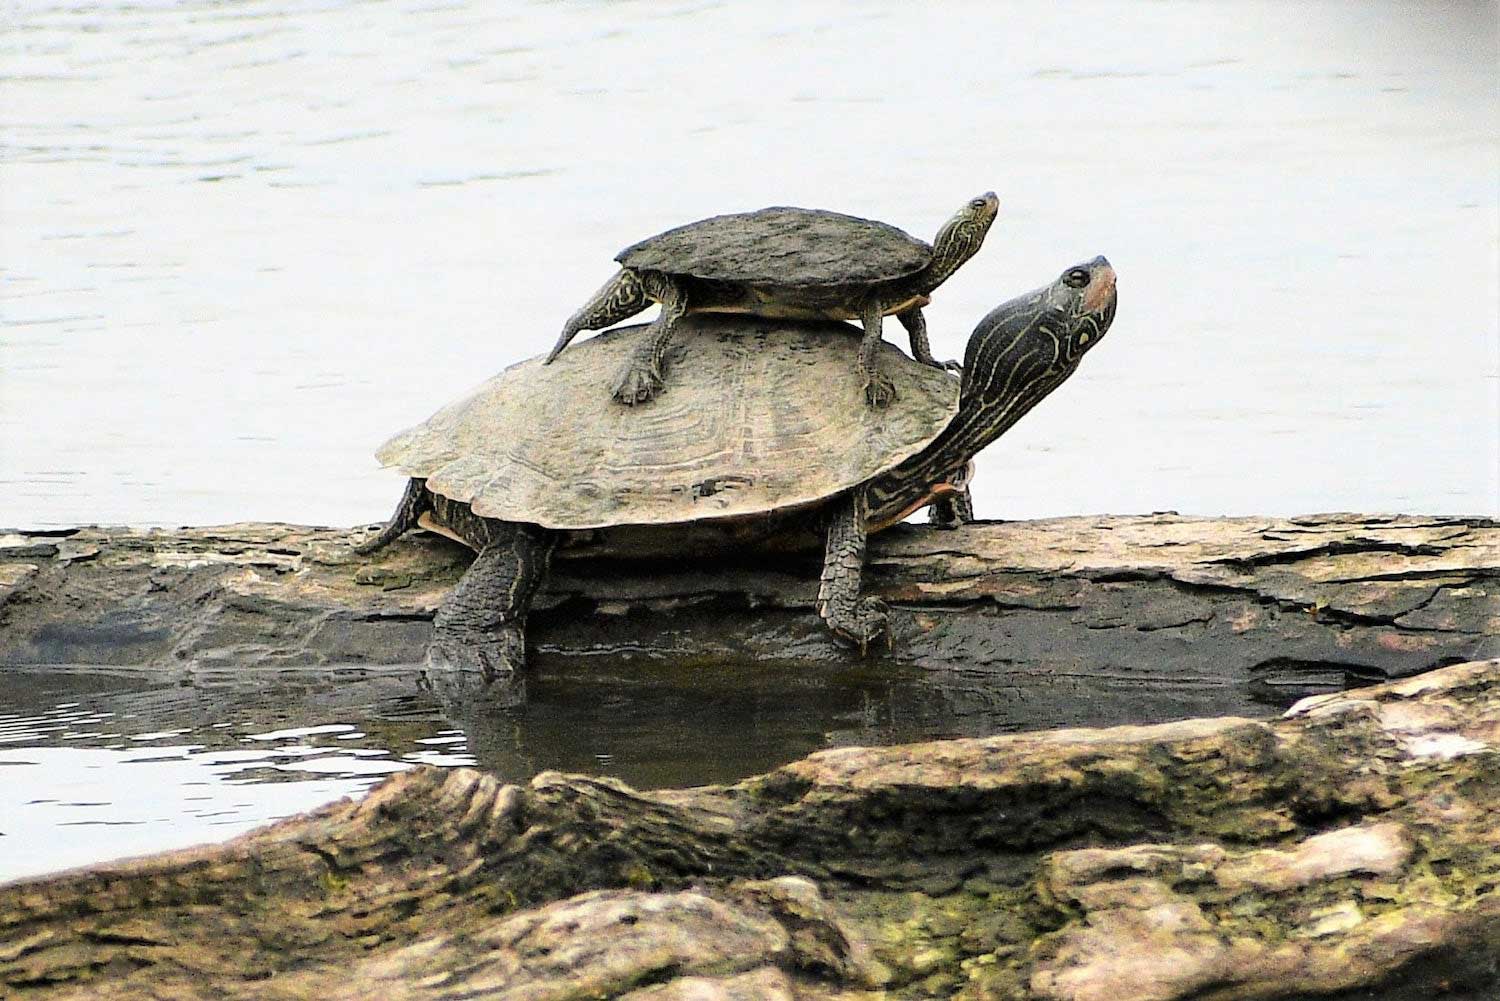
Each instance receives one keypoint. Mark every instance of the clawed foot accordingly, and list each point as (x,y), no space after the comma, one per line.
(950,365)
(639,381)
(867,622)
(470,667)
(880,392)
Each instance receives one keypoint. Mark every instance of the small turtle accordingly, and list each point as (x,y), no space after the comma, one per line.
(763,443)
(793,263)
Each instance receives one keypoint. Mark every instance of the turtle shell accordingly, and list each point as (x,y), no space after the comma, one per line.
(782,246)
(760,415)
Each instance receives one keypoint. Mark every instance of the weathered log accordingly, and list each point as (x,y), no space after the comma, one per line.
(1068,621)
(1350,846)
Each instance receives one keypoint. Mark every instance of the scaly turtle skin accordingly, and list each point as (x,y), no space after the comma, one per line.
(529,465)
(782,262)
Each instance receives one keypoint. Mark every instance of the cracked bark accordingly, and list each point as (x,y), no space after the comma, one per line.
(1075,620)
(1347,848)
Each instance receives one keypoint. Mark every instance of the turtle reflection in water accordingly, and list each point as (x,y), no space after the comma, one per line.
(768,443)
(783,262)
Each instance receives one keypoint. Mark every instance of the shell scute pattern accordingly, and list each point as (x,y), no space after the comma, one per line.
(783,246)
(763,415)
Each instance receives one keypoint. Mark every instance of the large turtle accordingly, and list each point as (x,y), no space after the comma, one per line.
(781,262)
(762,443)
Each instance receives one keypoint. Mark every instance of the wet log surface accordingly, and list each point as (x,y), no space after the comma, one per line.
(1096,620)
(1348,849)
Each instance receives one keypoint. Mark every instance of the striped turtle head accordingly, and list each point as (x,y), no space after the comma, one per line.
(1020,352)
(1024,348)
(961,237)
(977,213)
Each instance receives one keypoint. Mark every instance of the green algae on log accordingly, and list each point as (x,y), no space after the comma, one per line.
(1139,618)
(1349,846)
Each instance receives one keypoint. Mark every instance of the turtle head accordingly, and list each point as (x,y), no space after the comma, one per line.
(1019,353)
(960,238)
(1025,348)
(978,212)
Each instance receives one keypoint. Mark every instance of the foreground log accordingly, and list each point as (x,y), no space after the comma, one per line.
(1351,845)
(1074,620)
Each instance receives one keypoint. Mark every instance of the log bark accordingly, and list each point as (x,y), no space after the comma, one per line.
(1348,849)
(1097,620)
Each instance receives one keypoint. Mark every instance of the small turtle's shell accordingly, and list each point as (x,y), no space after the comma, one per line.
(782,247)
(761,415)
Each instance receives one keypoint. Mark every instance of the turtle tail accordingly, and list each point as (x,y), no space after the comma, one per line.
(414,502)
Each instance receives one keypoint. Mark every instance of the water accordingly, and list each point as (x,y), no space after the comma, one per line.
(101,764)
(242,243)
(245,242)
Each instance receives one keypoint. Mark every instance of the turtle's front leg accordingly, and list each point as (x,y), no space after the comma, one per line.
(622,297)
(879,390)
(854,620)
(482,626)
(952,511)
(921,349)
(641,378)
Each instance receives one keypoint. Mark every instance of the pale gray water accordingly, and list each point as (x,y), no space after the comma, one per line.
(95,767)
(242,243)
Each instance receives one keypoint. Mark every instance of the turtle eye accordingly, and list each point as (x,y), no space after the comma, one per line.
(977,203)
(1076,278)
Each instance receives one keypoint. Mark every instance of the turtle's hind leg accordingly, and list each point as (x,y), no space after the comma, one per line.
(641,378)
(413,502)
(916,328)
(481,627)
(622,297)
(954,511)
(921,349)
(853,620)
(879,390)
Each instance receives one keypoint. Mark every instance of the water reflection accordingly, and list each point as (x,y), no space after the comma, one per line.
(99,765)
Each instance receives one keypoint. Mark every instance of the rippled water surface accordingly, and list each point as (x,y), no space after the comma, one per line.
(242,242)
(95,767)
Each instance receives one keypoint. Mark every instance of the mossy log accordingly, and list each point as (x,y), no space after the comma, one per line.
(1350,846)
(1093,620)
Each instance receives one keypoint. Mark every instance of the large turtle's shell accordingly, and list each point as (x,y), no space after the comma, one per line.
(759,415)
(783,246)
